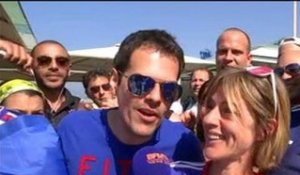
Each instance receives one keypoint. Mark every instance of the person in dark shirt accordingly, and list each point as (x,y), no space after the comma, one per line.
(51,68)
(288,68)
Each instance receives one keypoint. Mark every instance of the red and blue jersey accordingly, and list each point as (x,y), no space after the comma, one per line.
(90,147)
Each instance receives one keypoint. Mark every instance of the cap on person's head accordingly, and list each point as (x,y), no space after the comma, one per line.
(149,160)
(17,85)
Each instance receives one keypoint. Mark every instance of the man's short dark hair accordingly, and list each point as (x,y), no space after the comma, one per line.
(92,74)
(47,42)
(158,39)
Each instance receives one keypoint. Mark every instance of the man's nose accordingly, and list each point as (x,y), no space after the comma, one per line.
(286,76)
(53,64)
(228,55)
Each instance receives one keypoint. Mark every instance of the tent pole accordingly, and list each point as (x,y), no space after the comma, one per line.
(295,19)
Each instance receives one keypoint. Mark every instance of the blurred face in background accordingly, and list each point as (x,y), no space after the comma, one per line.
(198,79)
(289,60)
(27,104)
(233,50)
(100,90)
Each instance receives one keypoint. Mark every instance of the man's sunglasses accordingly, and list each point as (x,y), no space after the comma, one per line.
(291,69)
(265,71)
(140,85)
(105,87)
(45,61)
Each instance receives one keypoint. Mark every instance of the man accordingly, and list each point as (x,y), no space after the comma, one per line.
(146,69)
(288,65)
(190,105)
(288,68)
(22,96)
(198,77)
(233,48)
(51,68)
(25,134)
(97,87)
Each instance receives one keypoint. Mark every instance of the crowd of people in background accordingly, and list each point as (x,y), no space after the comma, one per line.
(241,120)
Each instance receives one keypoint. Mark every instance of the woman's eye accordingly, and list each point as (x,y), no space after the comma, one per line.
(210,104)
(226,109)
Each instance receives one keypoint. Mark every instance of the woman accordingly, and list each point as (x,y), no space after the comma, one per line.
(29,144)
(245,115)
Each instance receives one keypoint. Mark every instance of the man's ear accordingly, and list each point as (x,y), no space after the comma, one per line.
(69,71)
(269,130)
(114,78)
(250,57)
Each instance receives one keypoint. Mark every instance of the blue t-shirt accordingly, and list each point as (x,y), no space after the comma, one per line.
(29,145)
(290,165)
(90,147)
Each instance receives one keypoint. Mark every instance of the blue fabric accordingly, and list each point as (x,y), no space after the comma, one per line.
(91,148)
(295,125)
(290,165)
(30,146)
(295,117)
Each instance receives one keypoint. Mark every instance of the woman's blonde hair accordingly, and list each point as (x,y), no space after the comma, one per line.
(257,93)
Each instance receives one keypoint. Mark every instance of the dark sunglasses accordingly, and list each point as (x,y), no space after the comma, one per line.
(45,61)
(95,89)
(291,69)
(140,85)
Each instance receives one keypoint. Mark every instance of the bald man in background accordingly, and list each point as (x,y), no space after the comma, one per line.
(233,48)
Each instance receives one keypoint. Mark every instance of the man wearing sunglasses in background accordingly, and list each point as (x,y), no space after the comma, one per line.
(97,87)
(288,67)
(146,69)
(51,67)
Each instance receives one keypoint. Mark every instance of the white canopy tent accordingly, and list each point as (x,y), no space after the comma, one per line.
(265,55)
(87,59)
(15,26)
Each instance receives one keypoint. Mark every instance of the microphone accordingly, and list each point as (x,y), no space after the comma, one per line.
(151,161)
